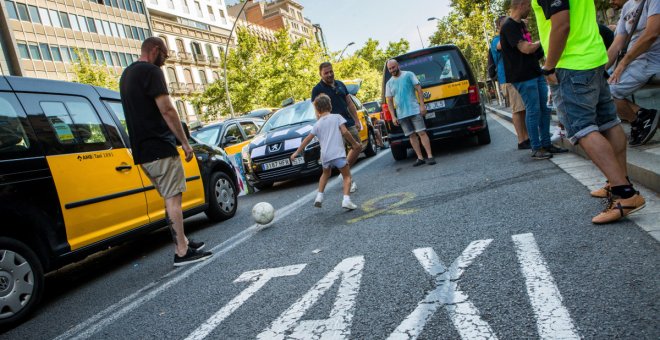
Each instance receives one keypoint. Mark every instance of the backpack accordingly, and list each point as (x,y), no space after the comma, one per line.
(491,67)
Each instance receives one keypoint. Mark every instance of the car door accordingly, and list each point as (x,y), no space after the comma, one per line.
(100,190)
(194,194)
(232,130)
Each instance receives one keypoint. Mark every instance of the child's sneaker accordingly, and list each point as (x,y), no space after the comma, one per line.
(347,204)
(318,202)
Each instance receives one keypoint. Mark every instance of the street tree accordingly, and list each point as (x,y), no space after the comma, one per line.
(96,75)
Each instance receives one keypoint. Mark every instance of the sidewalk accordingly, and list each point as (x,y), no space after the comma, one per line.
(643,161)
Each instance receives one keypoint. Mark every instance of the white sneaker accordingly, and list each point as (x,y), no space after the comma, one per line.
(347,204)
(353,187)
(318,202)
(557,135)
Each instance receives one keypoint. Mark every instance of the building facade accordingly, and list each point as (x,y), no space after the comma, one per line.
(196,33)
(43,38)
(277,15)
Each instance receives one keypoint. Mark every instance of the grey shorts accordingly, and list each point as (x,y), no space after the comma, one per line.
(636,75)
(335,163)
(167,176)
(412,124)
(355,133)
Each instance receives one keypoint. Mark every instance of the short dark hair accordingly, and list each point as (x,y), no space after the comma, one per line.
(152,42)
(324,65)
(322,103)
(498,21)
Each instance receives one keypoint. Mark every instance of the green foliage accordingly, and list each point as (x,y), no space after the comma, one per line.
(97,75)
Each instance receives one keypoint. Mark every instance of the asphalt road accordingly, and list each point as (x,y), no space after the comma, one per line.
(487,243)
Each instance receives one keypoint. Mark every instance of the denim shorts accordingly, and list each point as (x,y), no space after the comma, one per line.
(412,124)
(584,102)
(335,163)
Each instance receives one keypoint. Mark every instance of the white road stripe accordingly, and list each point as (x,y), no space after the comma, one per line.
(259,278)
(552,318)
(109,315)
(463,313)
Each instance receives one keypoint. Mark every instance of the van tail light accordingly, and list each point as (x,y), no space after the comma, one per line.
(473,94)
(386,114)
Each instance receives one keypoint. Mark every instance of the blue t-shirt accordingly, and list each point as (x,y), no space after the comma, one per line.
(402,88)
(497,58)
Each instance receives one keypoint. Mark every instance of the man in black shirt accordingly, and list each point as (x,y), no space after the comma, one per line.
(342,104)
(154,126)
(522,69)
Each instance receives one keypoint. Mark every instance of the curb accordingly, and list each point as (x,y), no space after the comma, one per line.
(643,167)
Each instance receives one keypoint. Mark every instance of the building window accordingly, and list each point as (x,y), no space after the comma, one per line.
(202,77)
(91,25)
(99,26)
(136,35)
(23,51)
(196,49)
(54,18)
(211,15)
(198,9)
(184,3)
(181,108)
(45,52)
(73,19)
(74,54)
(108,58)
(122,59)
(11,9)
(64,19)
(23,12)
(113,28)
(115,59)
(106,28)
(216,75)
(91,54)
(34,14)
(55,51)
(209,50)
(100,58)
(34,52)
(179,45)
(66,57)
(43,13)
(140,7)
(171,75)
(82,22)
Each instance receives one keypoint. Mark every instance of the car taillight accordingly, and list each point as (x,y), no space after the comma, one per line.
(387,116)
(473,94)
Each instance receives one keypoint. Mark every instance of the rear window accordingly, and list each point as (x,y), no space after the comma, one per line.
(441,67)
(371,107)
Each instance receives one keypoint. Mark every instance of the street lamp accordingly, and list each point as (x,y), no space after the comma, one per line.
(231,33)
(420,34)
(344,50)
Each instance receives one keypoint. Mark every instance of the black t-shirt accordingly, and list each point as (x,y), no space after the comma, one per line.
(518,66)
(337,96)
(151,138)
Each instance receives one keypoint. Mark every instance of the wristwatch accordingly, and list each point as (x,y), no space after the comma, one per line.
(547,72)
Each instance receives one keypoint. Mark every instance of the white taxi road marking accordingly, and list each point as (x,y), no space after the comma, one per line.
(552,318)
(464,315)
(259,279)
(338,325)
(109,315)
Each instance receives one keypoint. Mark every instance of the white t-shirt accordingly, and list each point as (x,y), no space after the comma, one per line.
(326,129)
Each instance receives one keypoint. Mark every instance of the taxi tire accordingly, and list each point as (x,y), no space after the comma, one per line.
(483,136)
(220,180)
(399,152)
(370,150)
(21,252)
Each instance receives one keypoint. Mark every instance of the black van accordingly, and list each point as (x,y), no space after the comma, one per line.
(451,95)
(69,188)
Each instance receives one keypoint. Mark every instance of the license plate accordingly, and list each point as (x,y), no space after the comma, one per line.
(439,104)
(429,115)
(282,163)
(298,161)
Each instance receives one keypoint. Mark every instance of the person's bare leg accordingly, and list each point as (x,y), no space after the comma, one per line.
(174,212)
(323,181)
(600,151)
(519,125)
(626,110)
(424,137)
(346,176)
(352,156)
(618,141)
(414,142)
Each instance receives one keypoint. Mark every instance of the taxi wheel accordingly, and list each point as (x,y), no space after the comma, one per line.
(223,197)
(371,149)
(21,281)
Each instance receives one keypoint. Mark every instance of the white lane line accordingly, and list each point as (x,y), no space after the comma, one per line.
(552,318)
(259,279)
(109,315)
(462,312)
(338,326)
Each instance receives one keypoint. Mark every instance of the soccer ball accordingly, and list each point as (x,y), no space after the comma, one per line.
(263,213)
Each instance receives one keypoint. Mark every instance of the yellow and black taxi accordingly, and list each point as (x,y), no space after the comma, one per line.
(69,188)
(451,95)
(231,135)
(266,157)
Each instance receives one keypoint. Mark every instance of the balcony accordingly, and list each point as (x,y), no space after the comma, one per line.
(196,88)
(201,60)
(185,58)
(215,62)
(178,88)
(173,57)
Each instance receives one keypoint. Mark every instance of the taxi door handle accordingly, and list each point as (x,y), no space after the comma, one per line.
(123,167)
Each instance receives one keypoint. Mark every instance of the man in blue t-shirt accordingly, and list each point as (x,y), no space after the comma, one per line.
(408,110)
(510,92)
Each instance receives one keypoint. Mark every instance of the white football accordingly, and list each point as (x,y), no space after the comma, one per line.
(263,213)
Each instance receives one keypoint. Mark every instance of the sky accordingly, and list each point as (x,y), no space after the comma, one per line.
(345,21)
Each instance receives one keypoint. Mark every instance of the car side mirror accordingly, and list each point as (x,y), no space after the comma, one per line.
(228,140)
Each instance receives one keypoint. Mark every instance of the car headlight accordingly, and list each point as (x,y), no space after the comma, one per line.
(313,144)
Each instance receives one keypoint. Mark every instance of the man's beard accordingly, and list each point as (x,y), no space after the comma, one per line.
(160,61)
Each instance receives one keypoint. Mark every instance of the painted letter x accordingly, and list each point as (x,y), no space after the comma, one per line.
(464,315)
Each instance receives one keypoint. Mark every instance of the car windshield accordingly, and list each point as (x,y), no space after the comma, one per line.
(372,107)
(208,135)
(295,114)
(441,67)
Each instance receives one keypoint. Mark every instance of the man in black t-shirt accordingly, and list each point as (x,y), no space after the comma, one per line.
(154,126)
(342,104)
(522,70)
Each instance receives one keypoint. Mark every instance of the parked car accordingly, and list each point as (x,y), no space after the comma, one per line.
(69,187)
(262,113)
(374,109)
(231,135)
(266,158)
(450,93)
